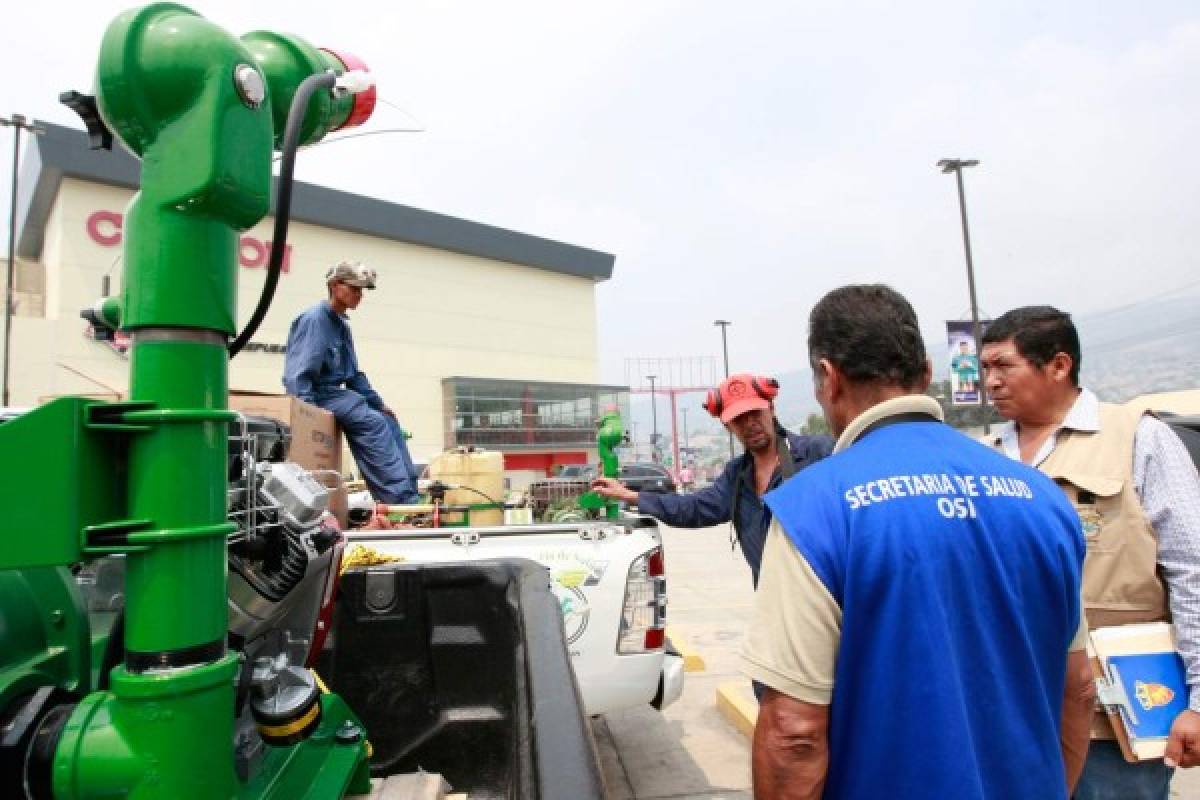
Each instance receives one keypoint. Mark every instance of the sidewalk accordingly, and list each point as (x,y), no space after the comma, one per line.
(688,750)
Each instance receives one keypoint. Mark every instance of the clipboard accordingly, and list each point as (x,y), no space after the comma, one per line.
(1141,683)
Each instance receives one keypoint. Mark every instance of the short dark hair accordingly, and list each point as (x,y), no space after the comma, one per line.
(870,333)
(1040,333)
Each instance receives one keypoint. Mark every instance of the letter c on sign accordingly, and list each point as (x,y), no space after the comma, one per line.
(104,228)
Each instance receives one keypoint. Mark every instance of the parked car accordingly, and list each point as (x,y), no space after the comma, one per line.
(576,472)
(647,477)
(1188,430)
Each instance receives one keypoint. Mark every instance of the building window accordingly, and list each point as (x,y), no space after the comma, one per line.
(516,415)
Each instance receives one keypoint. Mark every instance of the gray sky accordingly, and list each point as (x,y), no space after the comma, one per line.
(741,163)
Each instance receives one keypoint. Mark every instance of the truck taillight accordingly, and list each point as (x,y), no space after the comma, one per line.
(644,615)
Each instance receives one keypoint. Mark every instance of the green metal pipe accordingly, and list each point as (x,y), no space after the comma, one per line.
(130,742)
(166,83)
(184,494)
(201,109)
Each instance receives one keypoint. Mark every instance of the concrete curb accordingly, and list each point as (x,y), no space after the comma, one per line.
(736,703)
(692,660)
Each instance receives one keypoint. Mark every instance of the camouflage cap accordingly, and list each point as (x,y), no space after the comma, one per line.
(352,273)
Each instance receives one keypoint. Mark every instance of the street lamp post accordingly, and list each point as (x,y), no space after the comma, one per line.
(18,123)
(723,324)
(653,419)
(957,165)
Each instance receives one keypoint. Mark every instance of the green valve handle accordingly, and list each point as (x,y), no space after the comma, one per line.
(611,432)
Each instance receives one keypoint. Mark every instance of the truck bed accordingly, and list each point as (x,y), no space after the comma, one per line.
(461,669)
(588,565)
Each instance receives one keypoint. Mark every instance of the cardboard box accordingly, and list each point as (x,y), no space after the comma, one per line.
(316,439)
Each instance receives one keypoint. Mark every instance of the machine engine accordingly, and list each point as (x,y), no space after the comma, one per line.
(283,569)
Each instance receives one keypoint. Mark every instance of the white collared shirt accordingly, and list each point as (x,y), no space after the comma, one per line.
(1083,416)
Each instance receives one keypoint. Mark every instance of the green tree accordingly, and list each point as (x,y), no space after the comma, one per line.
(814,424)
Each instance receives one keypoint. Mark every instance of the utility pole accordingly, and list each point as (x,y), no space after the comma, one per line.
(957,165)
(723,324)
(18,123)
(653,419)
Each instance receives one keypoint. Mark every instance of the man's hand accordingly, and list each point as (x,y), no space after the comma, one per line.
(613,489)
(1183,743)
(380,522)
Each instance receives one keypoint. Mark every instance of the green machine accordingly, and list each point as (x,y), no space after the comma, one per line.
(143,483)
(611,430)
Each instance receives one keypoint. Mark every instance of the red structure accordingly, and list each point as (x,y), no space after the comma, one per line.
(673,377)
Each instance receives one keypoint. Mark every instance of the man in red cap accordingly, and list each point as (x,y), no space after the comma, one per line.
(745,405)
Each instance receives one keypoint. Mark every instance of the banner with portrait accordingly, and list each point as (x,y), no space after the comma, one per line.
(966,379)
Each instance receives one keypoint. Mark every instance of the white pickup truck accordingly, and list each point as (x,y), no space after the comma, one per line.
(608,576)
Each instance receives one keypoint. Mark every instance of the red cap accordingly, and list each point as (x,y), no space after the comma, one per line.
(740,393)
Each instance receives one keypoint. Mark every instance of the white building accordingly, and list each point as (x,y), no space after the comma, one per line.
(476,334)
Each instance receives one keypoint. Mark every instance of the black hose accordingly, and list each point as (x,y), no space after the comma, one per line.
(481,494)
(283,202)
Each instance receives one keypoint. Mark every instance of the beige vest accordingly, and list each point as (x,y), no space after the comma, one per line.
(1121,583)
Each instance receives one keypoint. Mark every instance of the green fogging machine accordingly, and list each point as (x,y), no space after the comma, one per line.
(188,680)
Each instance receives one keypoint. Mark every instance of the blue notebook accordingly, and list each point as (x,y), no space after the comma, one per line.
(1155,691)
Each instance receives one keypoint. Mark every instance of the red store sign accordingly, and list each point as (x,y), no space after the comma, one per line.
(104,228)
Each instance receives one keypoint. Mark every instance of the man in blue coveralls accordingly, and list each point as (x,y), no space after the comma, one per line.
(322,369)
(919,618)
(745,405)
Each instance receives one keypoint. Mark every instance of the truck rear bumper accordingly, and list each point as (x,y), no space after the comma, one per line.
(670,681)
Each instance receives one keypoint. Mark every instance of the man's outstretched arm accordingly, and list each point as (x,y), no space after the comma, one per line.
(710,506)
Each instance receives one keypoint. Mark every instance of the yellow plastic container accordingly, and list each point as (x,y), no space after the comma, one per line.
(482,471)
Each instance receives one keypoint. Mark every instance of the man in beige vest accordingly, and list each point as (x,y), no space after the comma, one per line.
(1138,497)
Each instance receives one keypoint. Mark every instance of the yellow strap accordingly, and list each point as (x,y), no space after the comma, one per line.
(359,555)
(288,728)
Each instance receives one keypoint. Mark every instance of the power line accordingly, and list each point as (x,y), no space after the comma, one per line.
(1136,303)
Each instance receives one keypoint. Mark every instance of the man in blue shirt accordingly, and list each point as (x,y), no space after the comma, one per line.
(919,616)
(744,404)
(322,369)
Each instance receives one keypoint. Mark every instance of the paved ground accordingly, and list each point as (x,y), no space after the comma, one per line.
(689,751)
